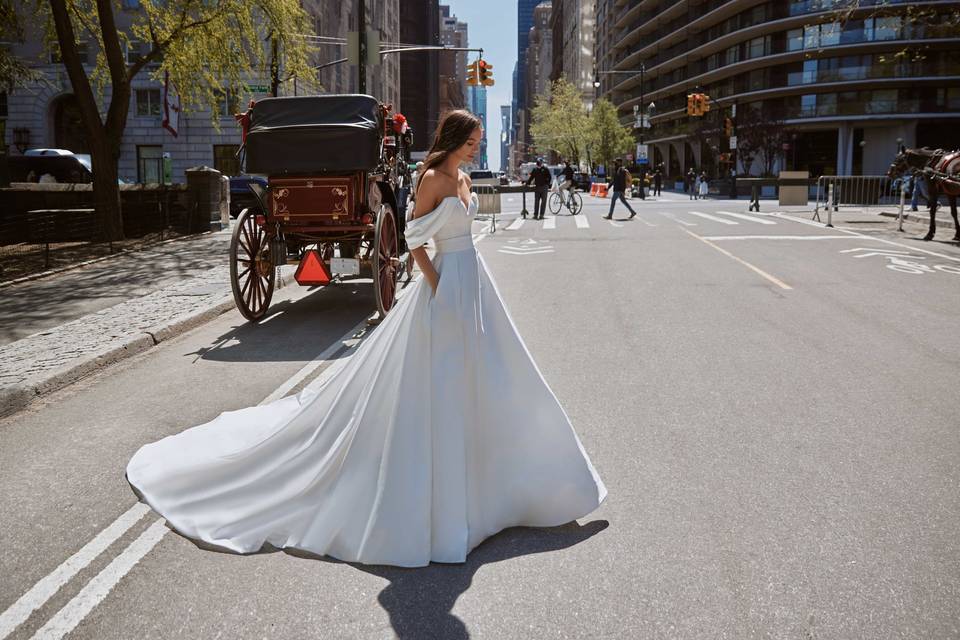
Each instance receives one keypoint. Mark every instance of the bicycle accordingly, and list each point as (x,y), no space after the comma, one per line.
(573,202)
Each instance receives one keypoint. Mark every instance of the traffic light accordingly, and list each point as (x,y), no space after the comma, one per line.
(704,103)
(473,77)
(691,104)
(485,72)
(727,127)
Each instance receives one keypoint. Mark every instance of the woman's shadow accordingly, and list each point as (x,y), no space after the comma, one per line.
(420,601)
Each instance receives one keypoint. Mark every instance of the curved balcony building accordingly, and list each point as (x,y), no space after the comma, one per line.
(845,87)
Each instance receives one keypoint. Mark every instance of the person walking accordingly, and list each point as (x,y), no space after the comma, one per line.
(541,179)
(657,182)
(695,190)
(703,186)
(620,179)
(691,182)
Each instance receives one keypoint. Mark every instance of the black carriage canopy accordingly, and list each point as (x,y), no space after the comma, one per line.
(314,134)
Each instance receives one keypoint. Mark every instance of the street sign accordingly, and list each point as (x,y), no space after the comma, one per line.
(733,142)
(642,150)
(258,88)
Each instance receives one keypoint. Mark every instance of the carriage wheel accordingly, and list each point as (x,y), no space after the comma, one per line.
(251,269)
(386,260)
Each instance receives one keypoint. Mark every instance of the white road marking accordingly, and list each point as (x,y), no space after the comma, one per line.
(641,219)
(520,252)
(46,588)
(271,317)
(516,224)
(744,216)
(676,219)
(710,217)
(65,620)
(778,237)
(758,270)
(866,237)
(550,222)
(582,221)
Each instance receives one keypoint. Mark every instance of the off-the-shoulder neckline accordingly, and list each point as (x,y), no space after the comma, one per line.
(465,206)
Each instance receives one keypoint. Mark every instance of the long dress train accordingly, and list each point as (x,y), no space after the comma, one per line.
(438,432)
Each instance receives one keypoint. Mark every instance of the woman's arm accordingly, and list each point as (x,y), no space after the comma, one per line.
(427,200)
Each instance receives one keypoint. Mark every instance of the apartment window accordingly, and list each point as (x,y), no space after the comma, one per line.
(82,52)
(225,159)
(149,164)
(732,55)
(758,47)
(148,102)
(886,28)
(795,40)
(827,104)
(882,101)
(808,105)
(227,104)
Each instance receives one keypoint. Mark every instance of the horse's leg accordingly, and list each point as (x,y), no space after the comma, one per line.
(953,212)
(932,201)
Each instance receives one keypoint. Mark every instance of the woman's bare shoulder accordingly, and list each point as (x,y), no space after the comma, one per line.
(430,189)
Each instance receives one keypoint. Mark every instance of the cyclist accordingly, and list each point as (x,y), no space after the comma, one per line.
(567,184)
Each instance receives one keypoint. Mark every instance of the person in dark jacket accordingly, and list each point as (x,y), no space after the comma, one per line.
(657,182)
(619,186)
(541,179)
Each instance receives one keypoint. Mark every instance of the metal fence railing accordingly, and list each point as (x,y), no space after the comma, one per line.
(834,192)
(41,239)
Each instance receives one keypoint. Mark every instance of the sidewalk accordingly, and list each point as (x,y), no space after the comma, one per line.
(58,329)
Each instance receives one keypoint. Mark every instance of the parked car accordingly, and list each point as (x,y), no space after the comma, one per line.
(240,195)
(581,180)
(483,176)
(61,164)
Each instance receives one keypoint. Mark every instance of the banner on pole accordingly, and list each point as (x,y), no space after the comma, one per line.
(171,106)
(642,154)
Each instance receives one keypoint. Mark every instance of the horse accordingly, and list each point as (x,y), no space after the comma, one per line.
(941,169)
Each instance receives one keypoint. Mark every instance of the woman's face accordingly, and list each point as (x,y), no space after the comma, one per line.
(469,149)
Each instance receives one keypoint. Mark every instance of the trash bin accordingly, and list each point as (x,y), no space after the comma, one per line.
(793,195)
(204,189)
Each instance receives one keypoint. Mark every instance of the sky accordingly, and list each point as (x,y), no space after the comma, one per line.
(492,24)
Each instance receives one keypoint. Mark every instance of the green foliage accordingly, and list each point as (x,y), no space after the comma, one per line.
(13,70)
(560,122)
(609,138)
(211,48)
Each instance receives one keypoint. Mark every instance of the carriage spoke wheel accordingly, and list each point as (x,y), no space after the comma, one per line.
(251,268)
(386,260)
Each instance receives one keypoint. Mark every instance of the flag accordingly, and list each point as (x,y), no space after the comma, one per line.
(171,106)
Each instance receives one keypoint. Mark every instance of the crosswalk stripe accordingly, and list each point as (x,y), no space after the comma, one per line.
(550,223)
(582,222)
(743,216)
(676,219)
(710,217)
(516,224)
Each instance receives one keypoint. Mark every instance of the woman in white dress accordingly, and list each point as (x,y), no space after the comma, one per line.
(439,431)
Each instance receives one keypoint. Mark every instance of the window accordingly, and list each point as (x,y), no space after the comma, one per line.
(882,101)
(827,104)
(135,51)
(82,52)
(948,98)
(131,4)
(732,55)
(3,104)
(148,102)
(149,164)
(886,28)
(811,37)
(758,47)
(830,34)
(225,159)
(227,104)
(795,40)
(808,105)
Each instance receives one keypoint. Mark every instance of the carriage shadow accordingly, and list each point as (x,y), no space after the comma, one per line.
(303,328)
(420,601)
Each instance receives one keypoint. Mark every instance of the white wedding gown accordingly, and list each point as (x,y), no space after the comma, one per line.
(439,432)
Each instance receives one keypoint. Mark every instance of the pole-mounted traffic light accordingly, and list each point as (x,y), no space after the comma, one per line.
(704,103)
(473,75)
(691,104)
(485,72)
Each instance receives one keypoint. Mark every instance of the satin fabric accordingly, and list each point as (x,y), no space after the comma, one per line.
(438,432)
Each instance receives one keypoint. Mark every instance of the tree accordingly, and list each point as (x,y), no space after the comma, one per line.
(761,137)
(13,71)
(560,123)
(211,48)
(609,138)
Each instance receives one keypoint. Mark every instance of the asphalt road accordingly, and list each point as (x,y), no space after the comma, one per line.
(772,407)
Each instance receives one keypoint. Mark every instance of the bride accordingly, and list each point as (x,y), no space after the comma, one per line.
(439,432)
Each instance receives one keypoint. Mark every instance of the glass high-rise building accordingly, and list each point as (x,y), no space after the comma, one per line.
(524,22)
(844,90)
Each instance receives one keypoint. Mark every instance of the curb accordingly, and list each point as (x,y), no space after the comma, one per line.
(17,398)
(914,217)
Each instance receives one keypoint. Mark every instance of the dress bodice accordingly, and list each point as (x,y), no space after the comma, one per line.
(449,224)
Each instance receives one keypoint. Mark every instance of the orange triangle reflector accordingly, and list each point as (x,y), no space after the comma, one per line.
(311,269)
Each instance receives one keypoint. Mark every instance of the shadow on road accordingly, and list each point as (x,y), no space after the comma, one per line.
(420,601)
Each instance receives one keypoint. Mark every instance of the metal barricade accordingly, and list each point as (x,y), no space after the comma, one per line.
(488,203)
(834,192)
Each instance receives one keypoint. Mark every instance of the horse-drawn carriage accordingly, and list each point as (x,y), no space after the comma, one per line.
(337,179)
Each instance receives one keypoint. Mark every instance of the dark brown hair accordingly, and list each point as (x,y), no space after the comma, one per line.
(452,133)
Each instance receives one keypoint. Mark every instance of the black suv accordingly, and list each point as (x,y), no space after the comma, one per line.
(62,168)
(240,195)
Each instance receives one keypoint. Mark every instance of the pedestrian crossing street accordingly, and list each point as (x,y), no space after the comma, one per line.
(646,216)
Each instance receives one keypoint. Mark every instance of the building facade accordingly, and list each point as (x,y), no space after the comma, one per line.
(46,113)
(844,91)
(420,72)
(524,23)
(453,33)
(574,24)
(505,127)
(477,104)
